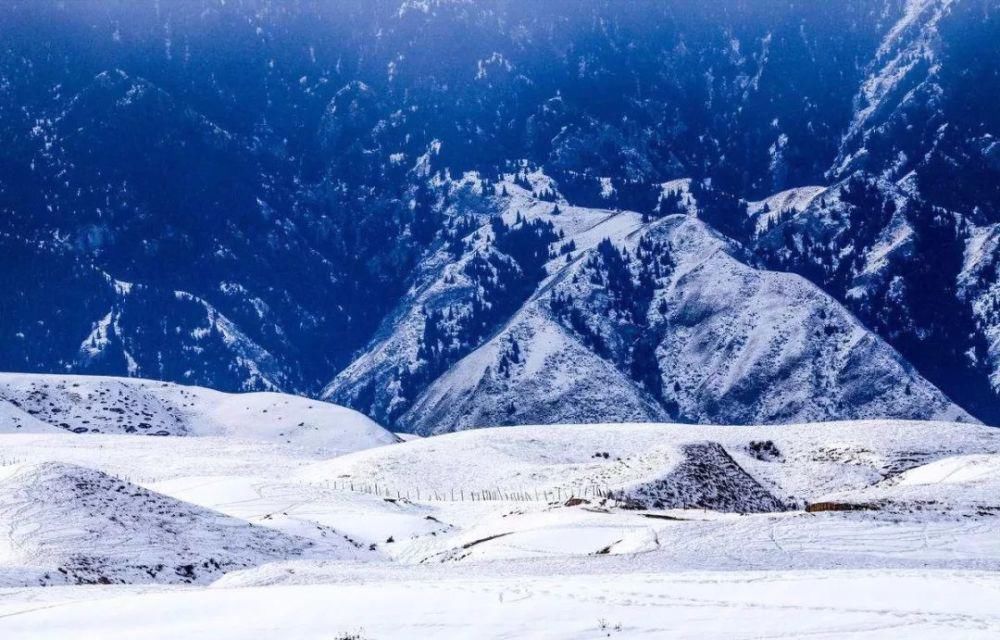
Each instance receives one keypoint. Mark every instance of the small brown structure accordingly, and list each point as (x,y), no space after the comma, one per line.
(817,507)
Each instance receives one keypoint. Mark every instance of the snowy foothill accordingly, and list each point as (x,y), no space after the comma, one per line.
(228,528)
(106,405)
(66,524)
(796,462)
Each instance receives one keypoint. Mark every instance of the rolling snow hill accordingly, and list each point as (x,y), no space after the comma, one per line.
(64,524)
(971,482)
(653,494)
(103,405)
(797,463)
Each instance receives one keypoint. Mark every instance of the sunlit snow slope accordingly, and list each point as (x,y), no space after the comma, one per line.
(94,404)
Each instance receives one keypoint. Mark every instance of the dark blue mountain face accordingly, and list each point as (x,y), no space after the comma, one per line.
(240,194)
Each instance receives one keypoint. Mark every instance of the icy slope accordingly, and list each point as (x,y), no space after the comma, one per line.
(94,404)
(753,346)
(771,210)
(68,524)
(922,113)
(900,80)
(979,286)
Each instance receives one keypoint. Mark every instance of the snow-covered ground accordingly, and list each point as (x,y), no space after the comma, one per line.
(796,462)
(843,604)
(493,533)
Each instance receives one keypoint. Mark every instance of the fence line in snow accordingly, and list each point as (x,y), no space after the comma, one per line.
(485,494)
(457,494)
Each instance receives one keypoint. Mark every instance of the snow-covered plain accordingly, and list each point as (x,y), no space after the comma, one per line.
(847,604)
(851,529)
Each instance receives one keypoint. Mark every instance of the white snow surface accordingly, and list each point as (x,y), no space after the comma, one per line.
(276,540)
(846,604)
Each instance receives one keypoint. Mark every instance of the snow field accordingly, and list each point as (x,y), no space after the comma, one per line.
(253,521)
(848,604)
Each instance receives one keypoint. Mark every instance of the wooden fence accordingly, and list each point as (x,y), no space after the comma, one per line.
(476,494)
(454,494)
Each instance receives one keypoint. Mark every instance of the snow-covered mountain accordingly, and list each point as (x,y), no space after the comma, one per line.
(374,317)
(299,197)
(633,319)
(910,198)
(920,112)
(905,268)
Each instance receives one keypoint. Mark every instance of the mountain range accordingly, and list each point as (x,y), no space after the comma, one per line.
(447,214)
